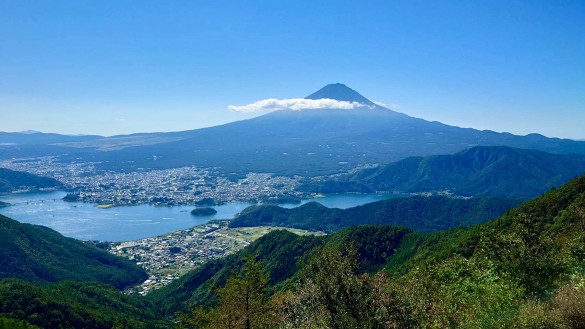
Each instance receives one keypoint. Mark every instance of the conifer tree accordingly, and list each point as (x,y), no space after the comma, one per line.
(243,301)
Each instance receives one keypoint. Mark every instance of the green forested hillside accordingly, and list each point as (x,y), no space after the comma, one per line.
(525,269)
(280,251)
(11,180)
(75,305)
(9,323)
(282,254)
(419,213)
(495,171)
(40,254)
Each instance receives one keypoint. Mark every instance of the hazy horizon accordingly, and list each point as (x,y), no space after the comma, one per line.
(251,115)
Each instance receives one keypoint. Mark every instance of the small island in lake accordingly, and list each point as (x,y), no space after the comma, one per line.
(4,204)
(203,212)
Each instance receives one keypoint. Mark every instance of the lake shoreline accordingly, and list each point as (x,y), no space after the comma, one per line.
(86,221)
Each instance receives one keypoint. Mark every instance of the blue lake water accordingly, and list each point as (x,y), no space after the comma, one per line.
(86,222)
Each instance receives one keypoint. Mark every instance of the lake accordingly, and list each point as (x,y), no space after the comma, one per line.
(84,221)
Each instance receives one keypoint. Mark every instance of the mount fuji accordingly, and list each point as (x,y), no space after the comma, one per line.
(304,142)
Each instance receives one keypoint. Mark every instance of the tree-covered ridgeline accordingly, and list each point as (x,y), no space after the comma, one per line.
(39,254)
(494,171)
(11,180)
(434,213)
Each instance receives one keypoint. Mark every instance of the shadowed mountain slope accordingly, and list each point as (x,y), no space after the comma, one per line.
(418,213)
(11,180)
(39,254)
(496,171)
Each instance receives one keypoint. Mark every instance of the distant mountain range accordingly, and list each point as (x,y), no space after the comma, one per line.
(496,171)
(32,137)
(306,142)
(11,180)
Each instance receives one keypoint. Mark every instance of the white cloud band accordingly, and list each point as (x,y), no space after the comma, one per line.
(295,104)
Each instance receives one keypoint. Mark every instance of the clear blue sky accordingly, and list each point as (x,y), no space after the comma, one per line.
(112,67)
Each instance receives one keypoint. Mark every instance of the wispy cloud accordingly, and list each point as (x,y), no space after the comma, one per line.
(391,106)
(295,104)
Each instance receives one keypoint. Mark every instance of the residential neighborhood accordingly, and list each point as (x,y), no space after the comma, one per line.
(167,257)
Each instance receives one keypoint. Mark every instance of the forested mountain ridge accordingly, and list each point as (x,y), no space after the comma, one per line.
(73,305)
(39,254)
(496,171)
(524,268)
(11,180)
(282,254)
(432,213)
